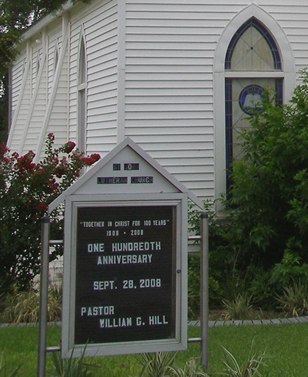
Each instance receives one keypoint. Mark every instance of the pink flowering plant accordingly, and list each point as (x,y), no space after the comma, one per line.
(26,189)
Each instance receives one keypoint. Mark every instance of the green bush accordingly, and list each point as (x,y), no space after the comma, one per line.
(221,259)
(160,364)
(71,367)
(261,244)
(290,268)
(193,286)
(156,364)
(294,299)
(23,306)
(250,368)
(261,287)
(191,369)
(268,199)
(239,308)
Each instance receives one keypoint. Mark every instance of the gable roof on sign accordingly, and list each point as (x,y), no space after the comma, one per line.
(126,167)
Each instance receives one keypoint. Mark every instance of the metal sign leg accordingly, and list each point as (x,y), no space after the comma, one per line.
(204,277)
(41,359)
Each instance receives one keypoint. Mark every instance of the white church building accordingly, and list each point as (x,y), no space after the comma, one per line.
(178,77)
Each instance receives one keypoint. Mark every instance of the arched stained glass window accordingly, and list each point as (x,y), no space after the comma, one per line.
(252,48)
(252,65)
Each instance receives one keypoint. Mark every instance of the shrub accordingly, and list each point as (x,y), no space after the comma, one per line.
(238,308)
(261,287)
(221,259)
(71,367)
(156,364)
(23,306)
(266,209)
(294,299)
(191,369)
(290,269)
(160,364)
(268,199)
(193,286)
(26,189)
(250,368)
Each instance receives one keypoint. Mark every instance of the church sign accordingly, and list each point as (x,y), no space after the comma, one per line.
(125,261)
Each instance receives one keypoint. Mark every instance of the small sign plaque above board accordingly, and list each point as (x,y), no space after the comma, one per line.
(125,262)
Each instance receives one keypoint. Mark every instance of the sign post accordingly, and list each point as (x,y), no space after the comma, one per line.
(41,357)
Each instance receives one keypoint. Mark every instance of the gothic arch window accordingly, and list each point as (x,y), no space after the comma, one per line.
(252,65)
(252,48)
(82,87)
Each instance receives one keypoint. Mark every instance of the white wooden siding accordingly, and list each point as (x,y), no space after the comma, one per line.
(169,85)
(165,101)
(99,25)
(54,43)
(293,18)
(170,47)
(58,121)
(72,77)
(39,105)
(34,100)
(17,77)
(24,96)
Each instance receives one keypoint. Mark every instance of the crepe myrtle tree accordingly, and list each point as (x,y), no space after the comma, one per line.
(26,189)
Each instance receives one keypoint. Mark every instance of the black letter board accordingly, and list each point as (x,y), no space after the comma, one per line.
(125,273)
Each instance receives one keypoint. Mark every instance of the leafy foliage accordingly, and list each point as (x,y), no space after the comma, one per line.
(268,199)
(261,245)
(156,364)
(290,269)
(160,364)
(26,189)
(221,258)
(294,299)
(71,367)
(238,308)
(22,307)
(191,369)
(250,368)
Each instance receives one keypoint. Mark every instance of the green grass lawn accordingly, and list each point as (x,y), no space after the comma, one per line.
(285,346)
